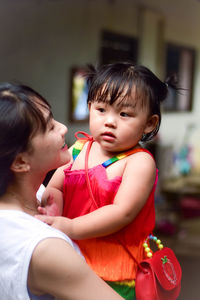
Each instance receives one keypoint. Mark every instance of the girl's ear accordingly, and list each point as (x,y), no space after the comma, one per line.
(151,124)
(20,164)
(89,105)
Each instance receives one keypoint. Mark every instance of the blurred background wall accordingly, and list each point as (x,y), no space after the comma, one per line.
(41,41)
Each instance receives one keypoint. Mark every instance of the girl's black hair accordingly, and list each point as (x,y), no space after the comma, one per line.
(109,82)
(20,119)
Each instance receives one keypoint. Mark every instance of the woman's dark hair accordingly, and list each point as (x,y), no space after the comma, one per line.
(109,82)
(20,119)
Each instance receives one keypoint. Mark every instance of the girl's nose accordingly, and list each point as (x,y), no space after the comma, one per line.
(110,121)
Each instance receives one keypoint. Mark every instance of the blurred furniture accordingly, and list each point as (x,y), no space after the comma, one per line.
(182,194)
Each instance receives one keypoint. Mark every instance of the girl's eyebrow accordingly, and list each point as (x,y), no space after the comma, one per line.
(127,105)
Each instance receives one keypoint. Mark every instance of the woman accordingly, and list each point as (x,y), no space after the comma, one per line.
(36,261)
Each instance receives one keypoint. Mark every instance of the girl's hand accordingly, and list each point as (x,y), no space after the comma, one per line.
(49,207)
(61,223)
(51,202)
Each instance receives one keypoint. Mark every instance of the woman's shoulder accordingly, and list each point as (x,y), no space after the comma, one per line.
(29,229)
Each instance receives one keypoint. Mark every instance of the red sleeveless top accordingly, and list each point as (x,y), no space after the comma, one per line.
(106,255)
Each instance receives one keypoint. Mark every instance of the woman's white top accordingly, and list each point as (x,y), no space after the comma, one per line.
(20,233)
(40,192)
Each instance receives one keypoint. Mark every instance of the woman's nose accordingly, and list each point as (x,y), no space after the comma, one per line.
(63,129)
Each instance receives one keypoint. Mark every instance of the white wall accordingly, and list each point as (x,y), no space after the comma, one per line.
(42,39)
(182,23)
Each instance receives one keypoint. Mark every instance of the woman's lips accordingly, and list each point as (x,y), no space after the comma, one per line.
(64,147)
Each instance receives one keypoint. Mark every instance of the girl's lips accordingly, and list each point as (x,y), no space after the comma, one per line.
(108,136)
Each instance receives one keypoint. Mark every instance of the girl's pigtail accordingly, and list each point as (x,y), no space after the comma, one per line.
(172,82)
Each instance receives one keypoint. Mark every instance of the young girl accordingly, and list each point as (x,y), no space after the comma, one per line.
(109,185)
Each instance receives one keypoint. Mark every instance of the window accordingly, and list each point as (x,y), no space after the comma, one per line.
(78,95)
(180,62)
(117,47)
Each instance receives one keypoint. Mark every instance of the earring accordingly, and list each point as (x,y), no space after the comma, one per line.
(143,137)
(27,168)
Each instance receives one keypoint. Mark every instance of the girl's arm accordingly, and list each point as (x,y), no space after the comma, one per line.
(137,182)
(56,269)
(52,197)
(51,202)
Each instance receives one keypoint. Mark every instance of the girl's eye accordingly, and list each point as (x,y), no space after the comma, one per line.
(124,114)
(101,109)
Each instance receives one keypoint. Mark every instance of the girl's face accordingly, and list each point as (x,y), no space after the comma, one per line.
(120,126)
(48,149)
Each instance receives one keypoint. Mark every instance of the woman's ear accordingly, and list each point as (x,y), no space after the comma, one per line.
(151,124)
(20,163)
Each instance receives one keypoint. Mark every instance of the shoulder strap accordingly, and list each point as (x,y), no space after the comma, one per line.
(80,142)
(122,155)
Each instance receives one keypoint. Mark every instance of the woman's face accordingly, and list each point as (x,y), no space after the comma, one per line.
(48,149)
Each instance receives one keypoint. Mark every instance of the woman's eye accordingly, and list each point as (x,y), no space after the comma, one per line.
(51,126)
